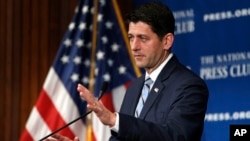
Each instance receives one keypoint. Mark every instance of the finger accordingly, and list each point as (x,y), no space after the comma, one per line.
(49,139)
(96,106)
(85,94)
(76,139)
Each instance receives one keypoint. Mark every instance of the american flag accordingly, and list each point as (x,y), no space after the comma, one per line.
(90,53)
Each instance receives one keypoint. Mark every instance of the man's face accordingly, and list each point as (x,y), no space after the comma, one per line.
(146,46)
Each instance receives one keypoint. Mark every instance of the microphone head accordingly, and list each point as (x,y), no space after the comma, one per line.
(104,86)
(103,89)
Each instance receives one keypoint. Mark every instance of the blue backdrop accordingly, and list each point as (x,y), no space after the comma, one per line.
(213,39)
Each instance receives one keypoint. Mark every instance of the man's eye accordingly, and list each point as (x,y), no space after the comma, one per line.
(130,38)
(143,38)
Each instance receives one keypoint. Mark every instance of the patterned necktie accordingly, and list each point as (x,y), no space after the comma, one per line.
(143,97)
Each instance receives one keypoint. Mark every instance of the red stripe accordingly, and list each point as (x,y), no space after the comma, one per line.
(127,84)
(25,136)
(51,116)
(107,101)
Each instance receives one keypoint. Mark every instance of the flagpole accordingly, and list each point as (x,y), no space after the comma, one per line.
(93,52)
(125,37)
(92,67)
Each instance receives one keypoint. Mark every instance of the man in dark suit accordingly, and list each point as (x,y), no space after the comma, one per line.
(176,100)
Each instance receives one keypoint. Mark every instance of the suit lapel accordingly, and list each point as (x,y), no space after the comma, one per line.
(154,93)
(136,95)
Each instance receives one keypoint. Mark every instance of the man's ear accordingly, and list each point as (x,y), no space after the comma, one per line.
(168,40)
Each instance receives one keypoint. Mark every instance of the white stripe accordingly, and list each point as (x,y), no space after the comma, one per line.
(64,103)
(101,132)
(36,125)
(117,97)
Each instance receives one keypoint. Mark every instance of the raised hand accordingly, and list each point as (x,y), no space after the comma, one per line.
(105,116)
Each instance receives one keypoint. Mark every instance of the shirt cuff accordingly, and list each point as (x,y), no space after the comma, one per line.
(115,128)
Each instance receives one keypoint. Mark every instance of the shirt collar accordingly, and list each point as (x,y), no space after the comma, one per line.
(157,71)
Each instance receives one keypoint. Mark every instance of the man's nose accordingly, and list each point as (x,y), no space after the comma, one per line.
(135,45)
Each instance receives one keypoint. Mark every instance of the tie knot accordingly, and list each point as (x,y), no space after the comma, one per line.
(148,81)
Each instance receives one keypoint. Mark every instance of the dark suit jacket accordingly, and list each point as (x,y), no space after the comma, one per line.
(174,110)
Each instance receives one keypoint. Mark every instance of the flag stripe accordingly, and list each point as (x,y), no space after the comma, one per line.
(63,103)
(106,100)
(26,136)
(60,96)
(101,132)
(117,97)
(45,105)
(113,102)
(36,126)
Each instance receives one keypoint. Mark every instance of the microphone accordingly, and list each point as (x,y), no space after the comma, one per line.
(103,89)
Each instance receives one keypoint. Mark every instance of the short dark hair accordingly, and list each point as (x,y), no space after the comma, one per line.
(156,15)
